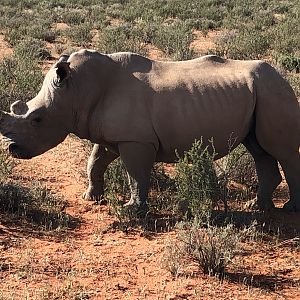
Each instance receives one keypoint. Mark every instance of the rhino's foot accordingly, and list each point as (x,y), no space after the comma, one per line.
(139,210)
(291,206)
(91,194)
(255,204)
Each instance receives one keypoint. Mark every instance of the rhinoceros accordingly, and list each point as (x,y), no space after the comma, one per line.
(146,111)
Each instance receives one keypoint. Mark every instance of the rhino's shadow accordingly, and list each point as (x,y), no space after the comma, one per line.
(285,225)
(277,222)
(32,212)
(261,281)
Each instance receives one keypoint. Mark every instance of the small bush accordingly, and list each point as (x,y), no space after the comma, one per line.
(174,258)
(72,16)
(116,181)
(285,36)
(211,248)
(196,180)
(40,31)
(289,62)
(191,191)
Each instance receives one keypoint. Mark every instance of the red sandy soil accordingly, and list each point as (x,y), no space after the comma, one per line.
(92,261)
(5,50)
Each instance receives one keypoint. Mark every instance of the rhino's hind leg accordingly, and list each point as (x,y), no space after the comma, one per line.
(98,162)
(291,169)
(267,172)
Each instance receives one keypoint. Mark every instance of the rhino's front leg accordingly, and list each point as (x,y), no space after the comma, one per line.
(138,159)
(98,162)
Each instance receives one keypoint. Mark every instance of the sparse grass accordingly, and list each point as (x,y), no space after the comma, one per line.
(245,43)
(174,39)
(20,75)
(236,174)
(122,38)
(6,163)
(294,81)
(35,205)
(80,34)
(210,247)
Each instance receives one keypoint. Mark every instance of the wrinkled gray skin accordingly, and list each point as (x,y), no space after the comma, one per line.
(142,110)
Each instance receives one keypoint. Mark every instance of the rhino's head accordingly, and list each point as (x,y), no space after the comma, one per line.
(34,127)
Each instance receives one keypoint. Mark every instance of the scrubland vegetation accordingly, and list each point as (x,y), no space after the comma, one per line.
(200,200)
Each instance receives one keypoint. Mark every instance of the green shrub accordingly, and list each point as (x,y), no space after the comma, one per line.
(72,16)
(192,191)
(41,31)
(196,180)
(289,62)
(116,181)
(245,43)
(175,39)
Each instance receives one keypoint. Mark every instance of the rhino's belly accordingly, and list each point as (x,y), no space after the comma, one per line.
(225,121)
(221,141)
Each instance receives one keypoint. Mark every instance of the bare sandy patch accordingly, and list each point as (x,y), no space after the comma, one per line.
(5,49)
(203,43)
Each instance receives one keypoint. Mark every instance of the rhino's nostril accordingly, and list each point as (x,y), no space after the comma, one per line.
(13,148)
(18,152)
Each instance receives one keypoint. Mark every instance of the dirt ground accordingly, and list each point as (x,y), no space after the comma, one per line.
(92,262)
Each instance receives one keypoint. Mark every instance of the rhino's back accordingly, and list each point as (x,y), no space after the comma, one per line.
(206,97)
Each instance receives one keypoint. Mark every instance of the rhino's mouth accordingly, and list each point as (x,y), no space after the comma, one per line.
(18,152)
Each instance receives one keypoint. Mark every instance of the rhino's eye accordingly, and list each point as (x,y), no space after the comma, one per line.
(36,121)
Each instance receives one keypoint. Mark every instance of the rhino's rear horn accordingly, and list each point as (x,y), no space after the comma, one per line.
(19,108)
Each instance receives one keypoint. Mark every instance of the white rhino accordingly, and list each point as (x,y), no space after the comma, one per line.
(143,110)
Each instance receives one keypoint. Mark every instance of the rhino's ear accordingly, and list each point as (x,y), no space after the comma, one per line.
(62,68)
(62,71)
(19,108)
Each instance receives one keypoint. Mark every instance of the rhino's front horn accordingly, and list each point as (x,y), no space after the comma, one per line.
(19,108)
